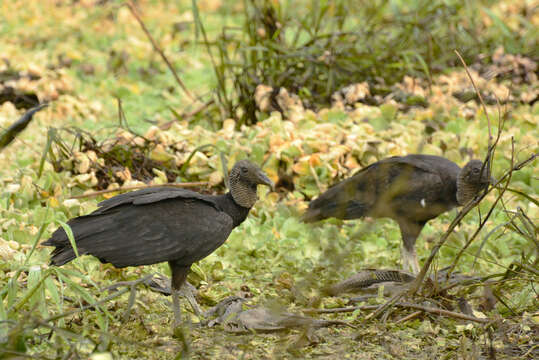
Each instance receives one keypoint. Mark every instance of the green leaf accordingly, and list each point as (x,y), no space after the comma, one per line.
(36,241)
(35,286)
(70,236)
(38,298)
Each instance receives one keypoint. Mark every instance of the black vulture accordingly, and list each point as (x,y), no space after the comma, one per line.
(409,189)
(160,224)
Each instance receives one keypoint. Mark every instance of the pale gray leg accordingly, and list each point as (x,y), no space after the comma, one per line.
(409,260)
(176,308)
(179,275)
(410,231)
(187,291)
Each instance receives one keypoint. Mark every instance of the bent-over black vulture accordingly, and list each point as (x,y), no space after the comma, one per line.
(162,224)
(409,189)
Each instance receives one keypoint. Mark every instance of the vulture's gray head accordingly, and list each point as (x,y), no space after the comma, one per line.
(471,180)
(244,178)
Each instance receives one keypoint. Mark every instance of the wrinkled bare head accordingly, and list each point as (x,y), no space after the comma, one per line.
(473,178)
(244,178)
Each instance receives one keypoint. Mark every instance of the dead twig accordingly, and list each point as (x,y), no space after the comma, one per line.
(443,312)
(419,308)
(159,51)
(136,187)
(408,317)
(187,116)
(340,310)
(517,167)
(385,306)
(478,94)
(315,176)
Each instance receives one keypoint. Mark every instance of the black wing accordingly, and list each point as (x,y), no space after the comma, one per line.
(150,195)
(428,163)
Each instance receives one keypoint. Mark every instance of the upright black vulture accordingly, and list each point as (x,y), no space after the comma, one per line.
(409,189)
(162,224)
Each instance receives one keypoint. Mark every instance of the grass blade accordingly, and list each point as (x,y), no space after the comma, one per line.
(70,236)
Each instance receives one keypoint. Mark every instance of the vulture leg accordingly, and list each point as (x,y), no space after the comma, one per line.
(179,274)
(188,291)
(409,232)
(176,308)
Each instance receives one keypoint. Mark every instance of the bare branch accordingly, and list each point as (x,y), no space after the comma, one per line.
(421,308)
(159,51)
(188,115)
(443,312)
(478,95)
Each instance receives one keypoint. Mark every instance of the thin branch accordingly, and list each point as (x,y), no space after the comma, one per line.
(315,176)
(136,187)
(340,310)
(385,306)
(443,312)
(478,94)
(517,167)
(159,51)
(408,317)
(187,116)
(427,309)
(491,148)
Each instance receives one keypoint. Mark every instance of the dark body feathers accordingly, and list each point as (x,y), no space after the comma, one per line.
(414,187)
(150,226)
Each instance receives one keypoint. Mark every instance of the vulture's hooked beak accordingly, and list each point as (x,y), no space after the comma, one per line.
(263,179)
